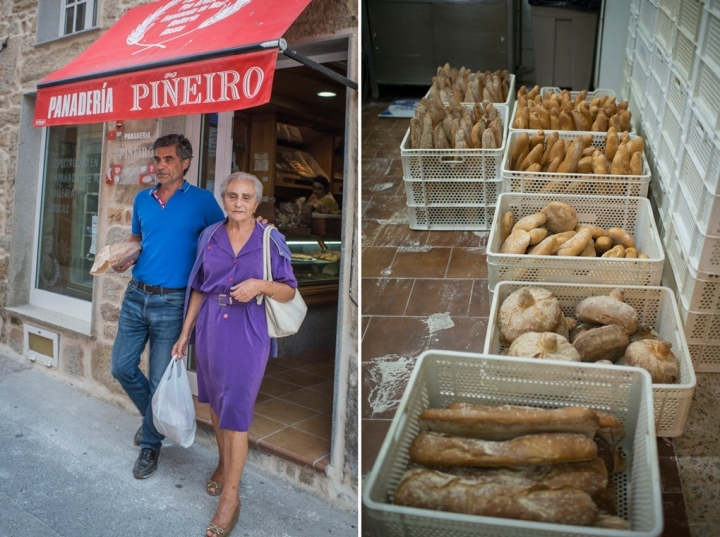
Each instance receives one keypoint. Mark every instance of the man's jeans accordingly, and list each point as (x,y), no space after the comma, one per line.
(146,317)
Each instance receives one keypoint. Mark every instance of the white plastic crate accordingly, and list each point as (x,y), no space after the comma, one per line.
(634,8)
(701,250)
(454,164)
(442,377)
(643,51)
(694,197)
(666,160)
(469,192)
(671,7)
(636,104)
(689,17)
(639,78)
(683,58)
(630,43)
(632,214)
(702,331)
(702,143)
(709,40)
(575,183)
(661,196)
(654,108)
(665,30)
(677,93)
(656,307)
(705,92)
(698,291)
(451,218)
(647,17)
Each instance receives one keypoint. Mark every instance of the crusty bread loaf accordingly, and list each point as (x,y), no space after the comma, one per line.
(590,476)
(430,489)
(508,421)
(437,449)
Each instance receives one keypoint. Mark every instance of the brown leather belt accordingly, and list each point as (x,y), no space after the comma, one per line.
(157,289)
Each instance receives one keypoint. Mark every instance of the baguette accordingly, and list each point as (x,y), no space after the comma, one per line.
(509,421)
(436,449)
(438,491)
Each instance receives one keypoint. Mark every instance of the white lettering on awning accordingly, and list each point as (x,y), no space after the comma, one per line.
(195,89)
(82,103)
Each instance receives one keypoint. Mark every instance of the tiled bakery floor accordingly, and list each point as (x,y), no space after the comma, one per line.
(293,412)
(428,290)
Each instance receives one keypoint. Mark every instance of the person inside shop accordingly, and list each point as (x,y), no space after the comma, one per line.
(230,331)
(167,220)
(322,200)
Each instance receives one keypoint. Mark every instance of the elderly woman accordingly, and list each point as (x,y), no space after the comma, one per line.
(232,345)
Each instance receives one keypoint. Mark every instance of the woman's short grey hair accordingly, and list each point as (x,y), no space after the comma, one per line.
(237,176)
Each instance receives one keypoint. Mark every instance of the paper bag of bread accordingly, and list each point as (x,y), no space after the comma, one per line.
(119,253)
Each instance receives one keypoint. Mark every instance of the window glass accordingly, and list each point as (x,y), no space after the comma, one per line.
(68,217)
(79,15)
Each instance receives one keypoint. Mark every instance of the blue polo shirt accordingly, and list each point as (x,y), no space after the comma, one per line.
(170,234)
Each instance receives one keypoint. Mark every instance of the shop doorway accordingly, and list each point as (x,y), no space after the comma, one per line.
(298,128)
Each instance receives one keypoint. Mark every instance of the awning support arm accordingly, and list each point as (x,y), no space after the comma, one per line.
(316,66)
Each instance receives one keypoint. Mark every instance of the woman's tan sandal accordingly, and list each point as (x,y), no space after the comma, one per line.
(213,488)
(225,532)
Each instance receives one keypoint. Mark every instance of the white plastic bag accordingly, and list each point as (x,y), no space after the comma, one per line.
(172,405)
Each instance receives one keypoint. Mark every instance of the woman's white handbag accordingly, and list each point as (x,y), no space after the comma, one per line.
(283,318)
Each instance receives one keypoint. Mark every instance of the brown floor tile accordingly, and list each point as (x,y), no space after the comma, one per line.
(292,440)
(274,367)
(319,402)
(675,516)
(313,356)
(440,296)
(480,300)
(261,397)
(385,296)
(396,168)
(468,335)
(202,411)
(276,387)
(389,208)
(300,378)
(322,463)
(364,321)
(376,261)
(400,235)
(421,263)
(384,381)
(262,427)
(401,336)
(283,411)
(369,230)
(389,150)
(324,387)
(369,149)
(320,425)
(289,362)
(468,263)
(322,369)
(380,186)
(460,239)
(373,435)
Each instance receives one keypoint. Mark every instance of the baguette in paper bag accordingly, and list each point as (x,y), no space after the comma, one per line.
(119,253)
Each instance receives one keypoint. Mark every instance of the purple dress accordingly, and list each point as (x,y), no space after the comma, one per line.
(232,345)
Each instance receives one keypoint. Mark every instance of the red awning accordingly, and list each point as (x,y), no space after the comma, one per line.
(169,58)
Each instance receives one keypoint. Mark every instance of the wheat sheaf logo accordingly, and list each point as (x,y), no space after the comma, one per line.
(178,18)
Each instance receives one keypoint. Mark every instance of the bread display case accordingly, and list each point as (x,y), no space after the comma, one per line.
(316,263)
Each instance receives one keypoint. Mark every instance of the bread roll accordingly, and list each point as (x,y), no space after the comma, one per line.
(436,449)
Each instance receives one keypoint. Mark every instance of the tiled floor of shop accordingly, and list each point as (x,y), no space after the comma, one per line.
(293,413)
(423,290)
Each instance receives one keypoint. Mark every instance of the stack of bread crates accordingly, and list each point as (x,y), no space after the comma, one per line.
(605,200)
(450,188)
(683,131)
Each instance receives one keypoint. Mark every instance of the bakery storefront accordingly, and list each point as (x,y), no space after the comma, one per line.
(222,74)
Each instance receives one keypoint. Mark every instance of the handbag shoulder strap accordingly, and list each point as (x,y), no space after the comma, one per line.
(267,263)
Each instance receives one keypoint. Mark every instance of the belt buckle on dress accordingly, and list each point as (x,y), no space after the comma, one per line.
(228,300)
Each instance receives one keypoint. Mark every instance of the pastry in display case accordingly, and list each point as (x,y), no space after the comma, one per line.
(315,261)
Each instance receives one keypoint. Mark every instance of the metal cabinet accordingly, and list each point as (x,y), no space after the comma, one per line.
(409,39)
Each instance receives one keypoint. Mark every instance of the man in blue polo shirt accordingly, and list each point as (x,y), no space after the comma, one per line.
(167,220)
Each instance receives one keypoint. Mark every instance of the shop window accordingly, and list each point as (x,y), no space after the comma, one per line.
(68,212)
